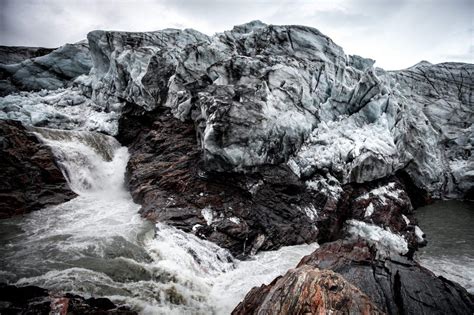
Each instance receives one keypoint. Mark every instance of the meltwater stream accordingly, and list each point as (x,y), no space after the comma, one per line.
(98,245)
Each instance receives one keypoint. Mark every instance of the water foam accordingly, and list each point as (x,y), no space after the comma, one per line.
(98,245)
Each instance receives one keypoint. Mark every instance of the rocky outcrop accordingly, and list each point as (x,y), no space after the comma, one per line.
(241,212)
(329,279)
(36,300)
(51,71)
(31,179)
(307,290)
(17,54)
(396,284)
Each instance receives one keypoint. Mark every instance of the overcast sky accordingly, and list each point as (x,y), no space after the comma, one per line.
(397,34)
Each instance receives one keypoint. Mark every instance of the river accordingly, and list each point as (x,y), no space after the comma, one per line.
(97,244)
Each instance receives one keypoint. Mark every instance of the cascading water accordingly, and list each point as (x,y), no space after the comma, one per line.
(98,245)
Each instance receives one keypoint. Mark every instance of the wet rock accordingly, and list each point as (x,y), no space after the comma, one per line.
(307,290)
(36,300)
(396,284)
(31,180)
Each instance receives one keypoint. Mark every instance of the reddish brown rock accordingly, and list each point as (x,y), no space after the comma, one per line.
(397,285)
(307,290)
(329,280)
(30,179)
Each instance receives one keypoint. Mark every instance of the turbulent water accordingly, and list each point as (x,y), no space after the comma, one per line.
(98,245)
(450,233)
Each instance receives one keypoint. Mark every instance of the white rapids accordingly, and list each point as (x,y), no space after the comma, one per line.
(98,245)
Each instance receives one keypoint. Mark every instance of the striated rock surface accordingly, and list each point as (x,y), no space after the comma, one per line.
(396,284)
(442,98)
(329,280)
(50,71)
(31,180)
(36,300)
(307,290)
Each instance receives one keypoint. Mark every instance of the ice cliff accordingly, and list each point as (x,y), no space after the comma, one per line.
(264,94)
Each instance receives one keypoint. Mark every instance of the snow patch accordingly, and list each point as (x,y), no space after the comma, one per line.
(407,221)
(369,210)
(382,193)
(208,215)
(384,240)
(234,220)
(419,234)
(311,212)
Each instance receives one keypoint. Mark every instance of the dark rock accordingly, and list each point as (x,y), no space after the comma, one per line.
(36,300)
(397,284)
(307,290)
(31,180)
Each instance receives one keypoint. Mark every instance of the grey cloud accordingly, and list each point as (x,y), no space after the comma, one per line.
(395,33)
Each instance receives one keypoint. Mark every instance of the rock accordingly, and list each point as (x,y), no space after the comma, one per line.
(36,300)
(31,180)
(241,212)
(51,71)
(396,284)
(17,54)
(246,212)
(307,290)
(330,278)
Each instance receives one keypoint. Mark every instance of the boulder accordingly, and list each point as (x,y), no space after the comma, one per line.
(396,284)
(352,277)
(307,290)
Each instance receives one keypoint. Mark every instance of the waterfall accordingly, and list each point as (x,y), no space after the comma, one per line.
(91,162)
(97,244)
